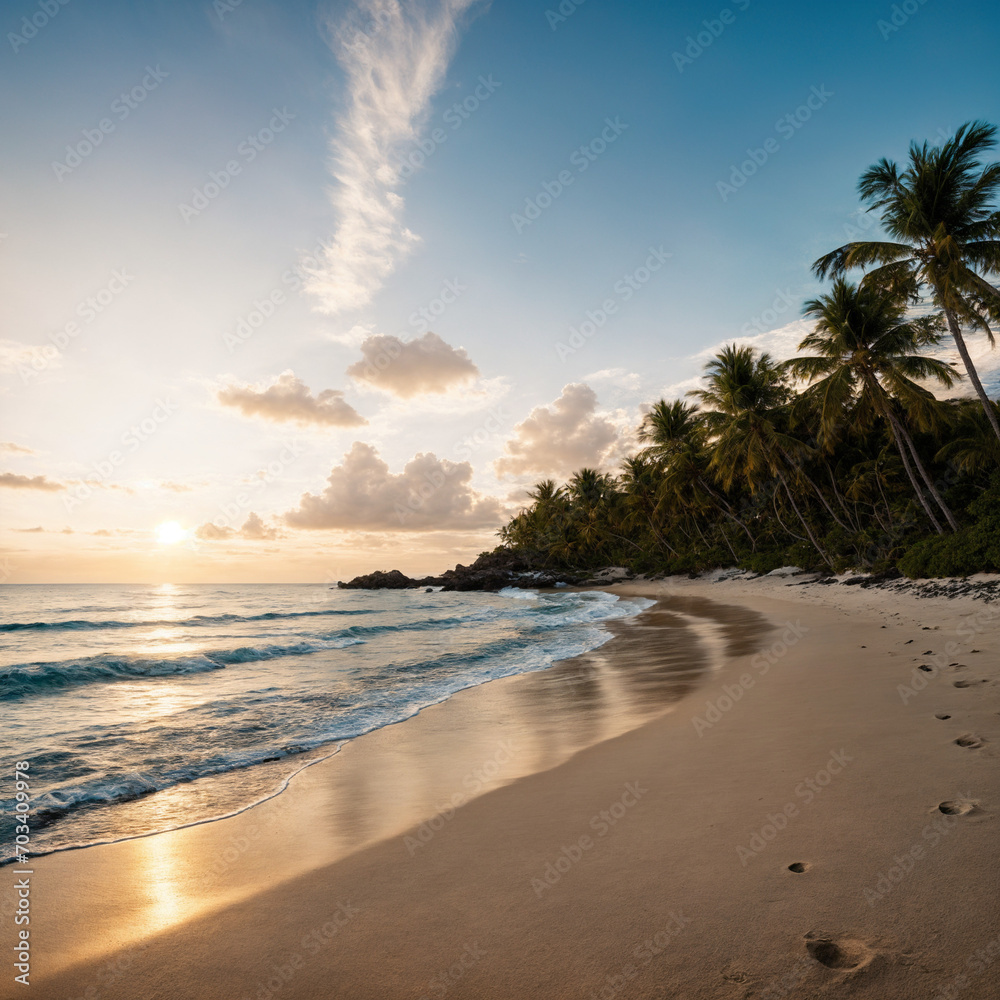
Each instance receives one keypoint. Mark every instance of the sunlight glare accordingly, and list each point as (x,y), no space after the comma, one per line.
(170,533)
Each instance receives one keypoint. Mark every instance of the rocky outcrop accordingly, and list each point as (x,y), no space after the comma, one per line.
(491,571)
(380,580)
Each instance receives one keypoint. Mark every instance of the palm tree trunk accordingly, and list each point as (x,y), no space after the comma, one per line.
(823,501)
(726,510)
(893,425)
(840,496)
(658,536)
(729,545)
(931,488)
(777,517)
(802,520)
(888,509)
(956,333)
(816,490)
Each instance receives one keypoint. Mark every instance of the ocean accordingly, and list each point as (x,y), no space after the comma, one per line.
(203,700)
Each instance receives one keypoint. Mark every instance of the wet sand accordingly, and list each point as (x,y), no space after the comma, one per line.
(621,824)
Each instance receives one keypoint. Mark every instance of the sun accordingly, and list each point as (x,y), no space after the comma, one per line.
(170,533)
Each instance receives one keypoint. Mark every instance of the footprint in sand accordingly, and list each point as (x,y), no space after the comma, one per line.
(837,953)
(970,741)
(799,867)
(942,716)
(968,684)
(957,808)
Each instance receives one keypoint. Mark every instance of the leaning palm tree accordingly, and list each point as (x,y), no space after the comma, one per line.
(940,211)
(865,364)
(745,392)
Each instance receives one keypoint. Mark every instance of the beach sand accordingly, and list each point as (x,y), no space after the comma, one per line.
(624,825)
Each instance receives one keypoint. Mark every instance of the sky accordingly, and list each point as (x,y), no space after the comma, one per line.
(294,290)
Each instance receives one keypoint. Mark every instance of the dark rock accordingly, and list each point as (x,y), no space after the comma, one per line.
(491,571)
(379,580)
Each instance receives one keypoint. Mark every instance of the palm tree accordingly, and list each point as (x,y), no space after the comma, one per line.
(947,233)
(744,394)
(589,493)
(675,434)
(640,486)
(865,361)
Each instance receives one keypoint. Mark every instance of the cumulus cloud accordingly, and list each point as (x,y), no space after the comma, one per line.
(17,482)
(289,399)
(253,529)
(561,438)
(429,494)
(409,368)
(394,54)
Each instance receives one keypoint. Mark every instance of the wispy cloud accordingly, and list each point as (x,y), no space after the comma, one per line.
(394,55)
(14,481)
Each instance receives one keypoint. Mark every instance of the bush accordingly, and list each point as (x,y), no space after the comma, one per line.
(973,549)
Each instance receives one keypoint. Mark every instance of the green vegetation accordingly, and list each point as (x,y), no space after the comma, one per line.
(843,457)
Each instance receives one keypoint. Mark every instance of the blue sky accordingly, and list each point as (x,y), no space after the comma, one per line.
(503,294)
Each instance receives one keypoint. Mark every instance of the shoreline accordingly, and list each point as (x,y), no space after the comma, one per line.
(241,845)
(687,799)
(318,753)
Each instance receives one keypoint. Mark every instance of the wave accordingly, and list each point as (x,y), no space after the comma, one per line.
(542,615)
(36,678)
(86,625)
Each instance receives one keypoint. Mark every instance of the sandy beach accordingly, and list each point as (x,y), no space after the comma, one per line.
(756,789)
